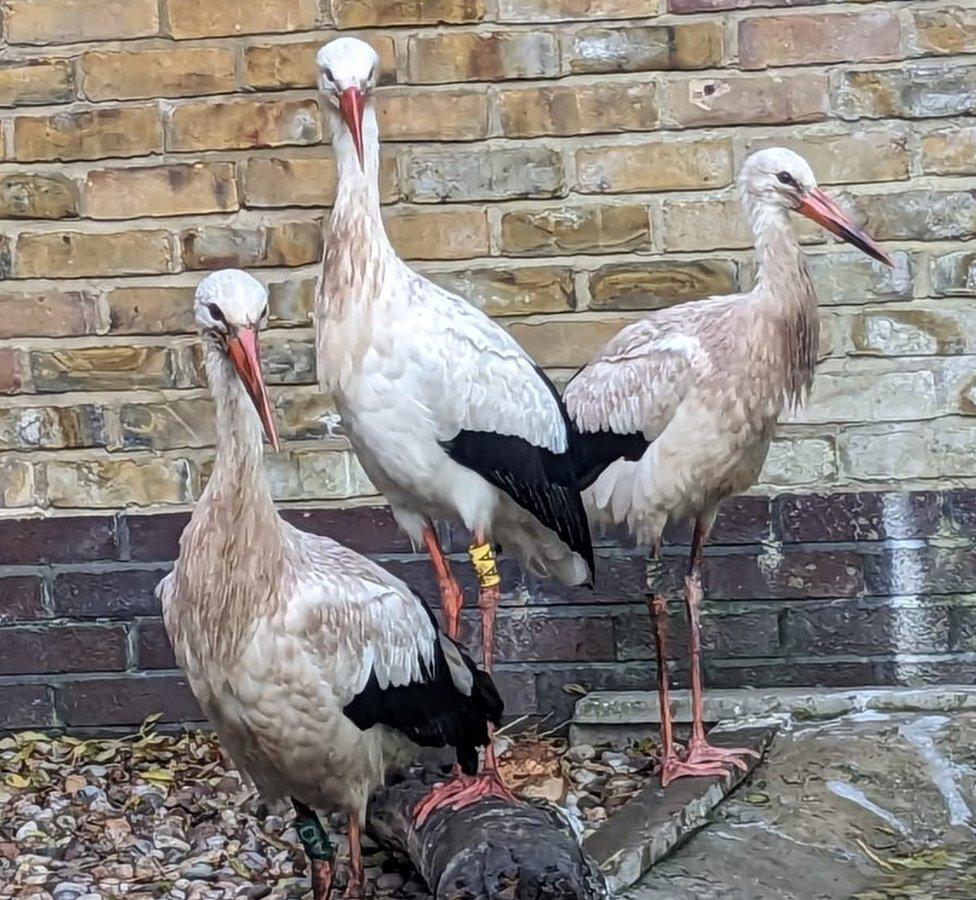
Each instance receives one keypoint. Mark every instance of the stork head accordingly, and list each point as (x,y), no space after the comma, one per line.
(230,307)
(780,177)
(347,75)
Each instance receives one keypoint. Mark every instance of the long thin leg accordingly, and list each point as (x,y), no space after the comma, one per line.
(699,750)
(671,766)
(463,790)
(452,599)
(356,886)
(318,849)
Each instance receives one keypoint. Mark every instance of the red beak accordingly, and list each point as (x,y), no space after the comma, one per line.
(816,205)
(351,103)
(246,357)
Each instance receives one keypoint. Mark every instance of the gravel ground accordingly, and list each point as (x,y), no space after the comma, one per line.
(157,815)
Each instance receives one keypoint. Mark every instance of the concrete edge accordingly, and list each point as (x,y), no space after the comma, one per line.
(655,821)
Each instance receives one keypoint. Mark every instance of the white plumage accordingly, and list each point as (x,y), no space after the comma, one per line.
(411,365)
(677,410)
(318,668)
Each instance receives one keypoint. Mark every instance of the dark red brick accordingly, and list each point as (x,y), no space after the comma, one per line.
(962,507)
(126,700)
(516,684)
(69,539)
(858,516)
(366,529)
(727,630)
(155,538)
(864,627)
(963,628)
(21,599)
(740,520)
(556,700)
(920,570)
(26,706)
(32,650)
(153,647)
(825,672)
(543,635)
(118,593)
(795,575)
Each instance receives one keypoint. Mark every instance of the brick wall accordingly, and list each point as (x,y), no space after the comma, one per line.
(567,164)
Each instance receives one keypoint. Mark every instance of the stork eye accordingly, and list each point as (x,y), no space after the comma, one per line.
(786,178)
(328,73)
(216,313)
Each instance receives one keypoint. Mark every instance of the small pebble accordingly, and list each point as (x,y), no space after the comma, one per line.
(580,753)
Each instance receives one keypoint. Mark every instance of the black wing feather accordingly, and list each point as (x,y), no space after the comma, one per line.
(540,481)
(594,451)
(433,712)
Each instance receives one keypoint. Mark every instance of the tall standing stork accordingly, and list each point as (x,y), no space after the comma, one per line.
(683,403)
(318,668)
(450,417)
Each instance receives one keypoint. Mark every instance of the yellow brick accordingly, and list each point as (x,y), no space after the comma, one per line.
(575,229)
(36,81)
(950,151)
(366,13)
(173,72)
(193,18)
(111,484)
(946,31)
(747,99)
(72,254)
(292,65)
(439,234)
(51,314)
(305,181)
(16,483)
(281,244)
(103,369)
(91,134)
(30,196)
(432,115)
(67,21)
(711,224)
(479,56)
(512,291)
(160,191)
(847,158)
(578,109)
(657,166)
(151,310)
(244,123)
(560,10)
(565,343)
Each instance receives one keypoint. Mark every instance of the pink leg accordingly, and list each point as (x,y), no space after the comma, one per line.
(356,887)
(700,751)
(463,790)
(671,766)
(452,599)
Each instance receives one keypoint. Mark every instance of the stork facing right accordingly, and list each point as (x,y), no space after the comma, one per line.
(683,404)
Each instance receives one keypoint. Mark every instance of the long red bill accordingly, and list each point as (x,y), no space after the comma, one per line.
(246,357)
(351,103)
(816,205)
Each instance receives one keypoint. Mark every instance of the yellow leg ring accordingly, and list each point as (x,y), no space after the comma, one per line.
(483,560)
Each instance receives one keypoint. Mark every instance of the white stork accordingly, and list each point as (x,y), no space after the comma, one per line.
(683,403)
(450,417)
(319,669)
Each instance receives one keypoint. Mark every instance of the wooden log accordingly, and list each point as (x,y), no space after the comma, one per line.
(487,850)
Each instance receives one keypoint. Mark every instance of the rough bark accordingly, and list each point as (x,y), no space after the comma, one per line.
(487,850)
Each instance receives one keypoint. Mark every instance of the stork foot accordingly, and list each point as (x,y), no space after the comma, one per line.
(674,767)
(461,791)
(700,752)
(356,888)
